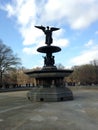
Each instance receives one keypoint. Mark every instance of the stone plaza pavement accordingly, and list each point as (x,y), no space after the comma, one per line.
(17,113)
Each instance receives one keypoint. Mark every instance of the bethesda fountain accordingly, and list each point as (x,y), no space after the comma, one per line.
(49,80)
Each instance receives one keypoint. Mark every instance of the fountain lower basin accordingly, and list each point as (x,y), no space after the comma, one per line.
(49,85)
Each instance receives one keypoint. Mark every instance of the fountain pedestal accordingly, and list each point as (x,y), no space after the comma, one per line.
(49,80)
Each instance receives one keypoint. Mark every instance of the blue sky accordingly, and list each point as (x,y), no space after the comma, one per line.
(77,37)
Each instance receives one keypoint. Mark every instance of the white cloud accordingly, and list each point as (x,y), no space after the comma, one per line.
(61,42)
(30,50)
(96,32)
(31,35)
(10,10)
(78,14)
(33,49)
(86,56)
(23,10)
(59,38)
(89,43)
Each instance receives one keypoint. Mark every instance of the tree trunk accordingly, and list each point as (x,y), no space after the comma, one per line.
(1,80)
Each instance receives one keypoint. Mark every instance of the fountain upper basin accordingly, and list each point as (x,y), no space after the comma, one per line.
(50,49)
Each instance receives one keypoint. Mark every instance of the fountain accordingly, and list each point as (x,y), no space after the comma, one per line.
(49,80)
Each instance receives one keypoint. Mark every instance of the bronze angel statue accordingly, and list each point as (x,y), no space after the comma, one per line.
(48,32)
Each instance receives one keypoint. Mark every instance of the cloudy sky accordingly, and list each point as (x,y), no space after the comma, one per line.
(77,37)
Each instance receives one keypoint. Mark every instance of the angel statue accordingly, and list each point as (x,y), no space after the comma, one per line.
(48,32)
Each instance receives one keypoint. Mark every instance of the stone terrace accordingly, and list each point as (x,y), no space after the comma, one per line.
(18,113)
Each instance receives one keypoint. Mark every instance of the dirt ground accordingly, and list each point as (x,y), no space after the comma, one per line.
(18,113)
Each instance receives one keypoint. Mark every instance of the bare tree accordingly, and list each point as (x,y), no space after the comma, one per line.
(60,66)
(8,60)
(95,64)
(85,74)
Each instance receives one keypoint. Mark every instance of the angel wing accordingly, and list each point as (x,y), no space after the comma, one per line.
(54,29)
(40,27)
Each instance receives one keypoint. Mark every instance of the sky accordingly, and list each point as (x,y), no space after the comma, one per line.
(77,37)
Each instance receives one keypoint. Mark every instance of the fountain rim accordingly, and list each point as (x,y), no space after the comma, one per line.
(49,73)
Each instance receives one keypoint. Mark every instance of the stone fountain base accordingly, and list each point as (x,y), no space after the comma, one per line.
(50,94)
(49,85)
